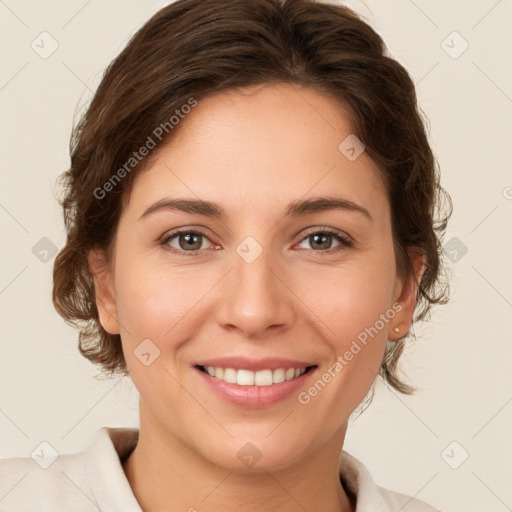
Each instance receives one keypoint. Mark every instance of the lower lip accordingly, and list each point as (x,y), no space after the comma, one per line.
(255,396)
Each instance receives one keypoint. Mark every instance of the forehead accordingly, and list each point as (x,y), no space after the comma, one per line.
(261,147)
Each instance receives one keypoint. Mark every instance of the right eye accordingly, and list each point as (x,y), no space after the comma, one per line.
(189,241)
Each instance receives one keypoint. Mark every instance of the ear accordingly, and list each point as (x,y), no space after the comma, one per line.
(405,294)
(104,291)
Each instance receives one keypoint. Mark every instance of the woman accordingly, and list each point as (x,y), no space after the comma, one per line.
(251,234)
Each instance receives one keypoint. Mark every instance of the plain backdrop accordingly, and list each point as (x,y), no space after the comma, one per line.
(447,444)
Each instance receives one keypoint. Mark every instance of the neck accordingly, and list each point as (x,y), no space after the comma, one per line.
(164,473)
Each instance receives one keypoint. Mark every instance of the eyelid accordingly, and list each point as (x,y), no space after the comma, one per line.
(328,230)
(185,230)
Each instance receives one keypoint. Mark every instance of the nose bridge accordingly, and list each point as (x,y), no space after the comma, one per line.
(254,298)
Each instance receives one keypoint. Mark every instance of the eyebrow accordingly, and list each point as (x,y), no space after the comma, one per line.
(294,209)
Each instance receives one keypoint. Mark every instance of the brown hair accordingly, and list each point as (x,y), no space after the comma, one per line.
(193,48)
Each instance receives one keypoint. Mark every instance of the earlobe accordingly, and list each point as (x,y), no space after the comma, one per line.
(103,291)
(407,295)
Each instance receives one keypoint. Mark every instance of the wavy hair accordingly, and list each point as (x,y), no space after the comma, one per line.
(195,48)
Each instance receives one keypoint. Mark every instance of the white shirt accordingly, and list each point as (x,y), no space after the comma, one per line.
(94,480)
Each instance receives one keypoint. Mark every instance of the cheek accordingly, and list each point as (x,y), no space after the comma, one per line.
(351,299)
(354,311)
(160,302)
(155,305)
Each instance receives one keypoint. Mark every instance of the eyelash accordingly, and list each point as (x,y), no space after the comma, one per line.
(345,242)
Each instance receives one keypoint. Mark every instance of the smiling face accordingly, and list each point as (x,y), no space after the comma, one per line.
(266,280)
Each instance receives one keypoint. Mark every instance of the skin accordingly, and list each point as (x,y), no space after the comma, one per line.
(252,151)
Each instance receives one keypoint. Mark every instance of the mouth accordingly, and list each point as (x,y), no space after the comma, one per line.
(254,383)
(263,377)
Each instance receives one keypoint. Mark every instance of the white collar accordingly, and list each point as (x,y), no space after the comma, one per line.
(112,490)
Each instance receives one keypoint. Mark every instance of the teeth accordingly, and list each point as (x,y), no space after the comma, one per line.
(250,378)
(279,376)
(245,378)
(230,375)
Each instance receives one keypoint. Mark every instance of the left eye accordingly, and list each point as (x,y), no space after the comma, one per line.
(324,238)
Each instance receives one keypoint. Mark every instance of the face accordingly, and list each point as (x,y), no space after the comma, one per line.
(259,287)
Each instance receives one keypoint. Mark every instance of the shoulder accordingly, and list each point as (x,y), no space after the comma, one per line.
(43,484)
(90,480)
(371,497)
(397,501)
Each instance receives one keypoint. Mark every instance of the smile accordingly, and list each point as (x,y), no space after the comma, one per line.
(254,383)
(243,377)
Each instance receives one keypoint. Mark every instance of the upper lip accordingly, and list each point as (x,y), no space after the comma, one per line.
(244,363)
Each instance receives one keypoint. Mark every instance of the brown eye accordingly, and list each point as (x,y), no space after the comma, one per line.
(185,240)
(322,241)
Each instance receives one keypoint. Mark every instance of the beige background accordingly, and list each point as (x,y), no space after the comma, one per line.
(461,361)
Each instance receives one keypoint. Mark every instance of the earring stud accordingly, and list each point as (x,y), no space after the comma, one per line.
(396,329)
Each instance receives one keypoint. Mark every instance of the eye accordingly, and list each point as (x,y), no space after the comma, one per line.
(187,240)
(322,240)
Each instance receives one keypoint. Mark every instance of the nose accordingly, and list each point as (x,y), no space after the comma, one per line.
(255,298)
